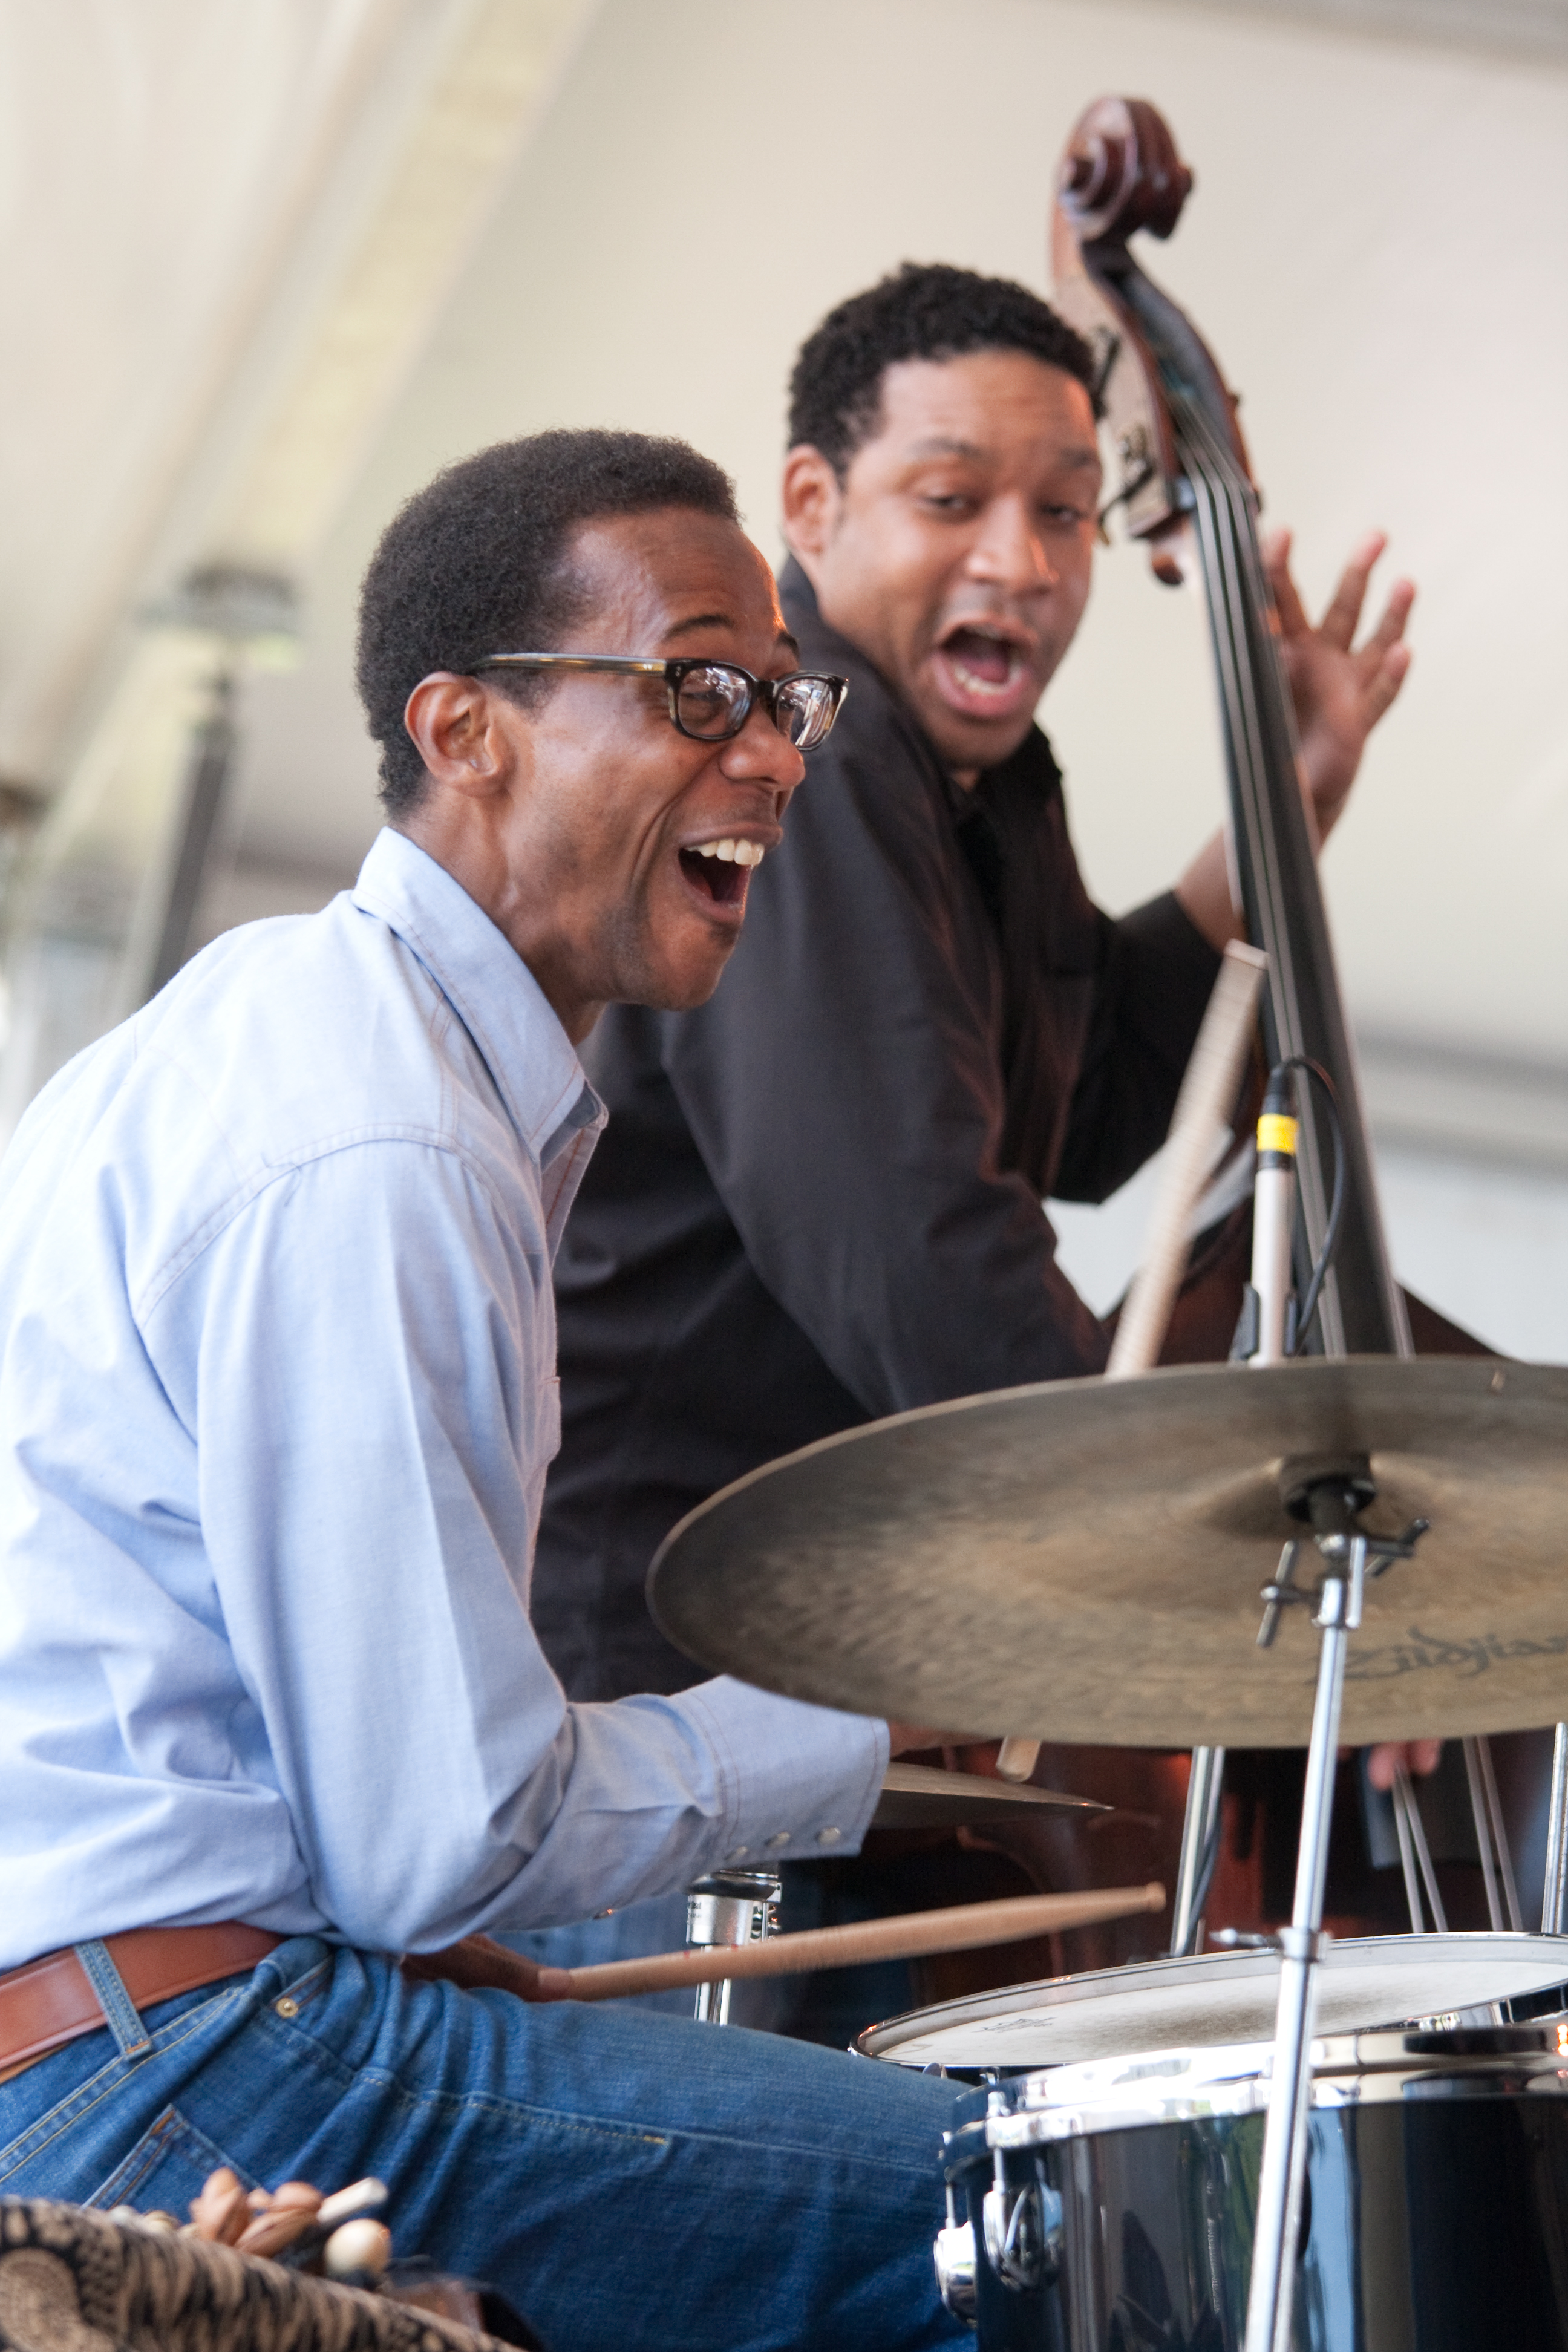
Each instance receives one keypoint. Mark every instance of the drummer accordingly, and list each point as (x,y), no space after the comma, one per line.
(819,1197)
(276,1389)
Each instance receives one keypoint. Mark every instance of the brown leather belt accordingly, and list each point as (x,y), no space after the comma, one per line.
(52,1999)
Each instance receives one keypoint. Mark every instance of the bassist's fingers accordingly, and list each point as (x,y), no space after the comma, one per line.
(1339,624)
(1292,613)
(1391,627)
(1386,681)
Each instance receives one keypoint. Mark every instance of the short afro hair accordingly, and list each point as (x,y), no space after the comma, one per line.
(475,564)
(925,310)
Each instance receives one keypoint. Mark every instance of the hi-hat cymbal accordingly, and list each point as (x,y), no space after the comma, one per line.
(919,1797)
(1081,1562)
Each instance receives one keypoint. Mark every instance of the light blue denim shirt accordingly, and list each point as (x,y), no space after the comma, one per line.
(277,1401)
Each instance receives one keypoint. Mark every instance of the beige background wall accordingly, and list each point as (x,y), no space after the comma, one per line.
(712,176)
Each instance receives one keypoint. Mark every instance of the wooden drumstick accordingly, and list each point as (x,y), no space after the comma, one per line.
(1205,1102)
(968,1925)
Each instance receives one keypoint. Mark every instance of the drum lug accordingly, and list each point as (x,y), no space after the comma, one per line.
(953,2253)
(1024,2246)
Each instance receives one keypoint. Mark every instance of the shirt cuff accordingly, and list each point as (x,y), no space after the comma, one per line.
(799,1782)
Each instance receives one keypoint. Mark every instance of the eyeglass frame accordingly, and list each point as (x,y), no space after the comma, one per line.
(673,672)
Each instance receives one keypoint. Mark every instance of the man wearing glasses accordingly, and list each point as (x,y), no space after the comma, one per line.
(819,1198)
(276,1391)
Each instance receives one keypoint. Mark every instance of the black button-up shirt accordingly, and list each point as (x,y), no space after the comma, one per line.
(818,1198)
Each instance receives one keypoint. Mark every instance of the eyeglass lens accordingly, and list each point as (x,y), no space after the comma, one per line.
(712,701)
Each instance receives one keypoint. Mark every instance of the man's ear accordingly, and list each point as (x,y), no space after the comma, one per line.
(452,723)
(813,502)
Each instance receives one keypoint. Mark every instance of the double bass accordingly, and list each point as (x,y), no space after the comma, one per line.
(1183,486)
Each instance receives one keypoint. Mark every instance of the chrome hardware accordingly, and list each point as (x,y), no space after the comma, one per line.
(1200,1848)
(734,1908)
(1554,1896)
(1023,2246)
(953,2254)
(1278,1595)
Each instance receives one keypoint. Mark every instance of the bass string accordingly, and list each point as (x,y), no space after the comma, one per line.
(1268,790)
(1220,536)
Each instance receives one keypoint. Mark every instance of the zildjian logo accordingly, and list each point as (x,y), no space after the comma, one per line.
(1420,1652)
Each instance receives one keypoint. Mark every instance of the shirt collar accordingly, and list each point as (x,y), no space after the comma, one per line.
(494,995)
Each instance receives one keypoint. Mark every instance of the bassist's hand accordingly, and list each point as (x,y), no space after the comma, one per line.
(1341,690)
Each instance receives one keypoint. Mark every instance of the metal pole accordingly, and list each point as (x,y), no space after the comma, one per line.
(1200,1841)
(1513,1915)
(1482,1819)
(1555,1893)
(1492,1837)
(1271,2293)
(1407,1862)
(733,1907)
(1407,1814)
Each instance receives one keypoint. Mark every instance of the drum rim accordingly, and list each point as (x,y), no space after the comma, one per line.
(1461,1947)
(1200,2082)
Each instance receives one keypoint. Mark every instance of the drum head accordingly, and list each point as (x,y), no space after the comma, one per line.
(1217,1997)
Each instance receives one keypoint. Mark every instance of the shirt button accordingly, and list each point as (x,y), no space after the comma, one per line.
(287,2008)
(828,1837)
(781,1837)
(738,1853)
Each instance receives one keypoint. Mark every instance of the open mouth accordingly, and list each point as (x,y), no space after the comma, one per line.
(983,672)
(718,869)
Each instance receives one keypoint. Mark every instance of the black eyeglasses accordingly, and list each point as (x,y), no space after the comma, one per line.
(711,700)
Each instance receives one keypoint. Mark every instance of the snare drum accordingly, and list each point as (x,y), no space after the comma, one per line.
(1222,1996)
(1109,2207)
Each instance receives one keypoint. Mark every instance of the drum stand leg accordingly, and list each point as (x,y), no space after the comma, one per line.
(1555,1893)
(1492,1837)
(732,1907)
(1349,1555)
(1200,1849)
(1413,1851)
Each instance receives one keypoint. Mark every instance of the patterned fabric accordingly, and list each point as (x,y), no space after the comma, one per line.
(73,2281)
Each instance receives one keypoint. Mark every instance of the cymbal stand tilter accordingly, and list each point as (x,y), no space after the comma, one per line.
(1330,1501)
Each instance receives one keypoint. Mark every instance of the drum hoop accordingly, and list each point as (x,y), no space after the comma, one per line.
(1427,2060)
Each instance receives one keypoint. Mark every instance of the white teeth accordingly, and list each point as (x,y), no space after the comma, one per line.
(733,853)
(985,685)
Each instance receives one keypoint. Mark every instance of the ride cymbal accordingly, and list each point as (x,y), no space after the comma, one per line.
(1081,1562)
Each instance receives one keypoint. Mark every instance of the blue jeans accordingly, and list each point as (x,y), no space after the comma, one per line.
(624,2178)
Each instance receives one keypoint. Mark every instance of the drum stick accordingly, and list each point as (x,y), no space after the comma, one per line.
(1202,1106)
(905,1937)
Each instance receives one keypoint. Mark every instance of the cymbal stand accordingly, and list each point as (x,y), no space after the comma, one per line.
(1264,1336)
(1200,1849)
(1414,1850)
(1350,1554)
(733,1907)
(1555,1893)
(1492,1837)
